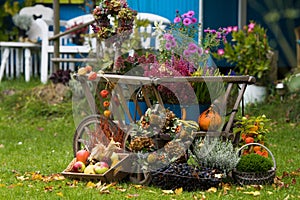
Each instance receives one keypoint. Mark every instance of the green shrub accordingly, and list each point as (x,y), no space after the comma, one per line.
(254,163)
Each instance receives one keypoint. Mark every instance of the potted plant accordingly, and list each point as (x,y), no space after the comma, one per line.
(23,22)
(254,169)
(248,51)
(251,129)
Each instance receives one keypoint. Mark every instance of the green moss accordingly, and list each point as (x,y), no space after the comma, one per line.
(254,163)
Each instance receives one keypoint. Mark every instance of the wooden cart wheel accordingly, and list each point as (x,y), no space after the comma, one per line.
(90,126)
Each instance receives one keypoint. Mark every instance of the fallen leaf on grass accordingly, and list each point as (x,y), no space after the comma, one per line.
(212,189)
(168,191)
(132,195)
(254,193)
(138,186)
(90,185)
(48,188)
(60,194)
(121,189)
(22,178)
(178,191)
(1,145)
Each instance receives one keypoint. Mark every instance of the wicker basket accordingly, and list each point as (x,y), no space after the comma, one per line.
(252,178)
(169,181)
(191,179)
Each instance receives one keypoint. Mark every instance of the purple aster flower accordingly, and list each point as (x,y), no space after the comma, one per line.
(187,21)
(177,20)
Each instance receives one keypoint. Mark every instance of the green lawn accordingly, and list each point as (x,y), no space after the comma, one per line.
(36,145)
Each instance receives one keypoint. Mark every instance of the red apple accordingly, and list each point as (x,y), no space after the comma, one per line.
(82,155)
(78,167)
(101,167)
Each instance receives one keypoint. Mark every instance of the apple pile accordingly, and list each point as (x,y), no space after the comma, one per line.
(88,165)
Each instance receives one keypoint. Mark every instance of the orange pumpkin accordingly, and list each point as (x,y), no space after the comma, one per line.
(209,120)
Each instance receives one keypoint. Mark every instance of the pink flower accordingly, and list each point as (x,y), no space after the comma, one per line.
(229,29)
(177,20)
(168,46)
(190,13)
(194,20)
(192,47)
(221,52)
(251,25)
(187,21)
(168,36)
(235,29)
(173,43)
(186,53)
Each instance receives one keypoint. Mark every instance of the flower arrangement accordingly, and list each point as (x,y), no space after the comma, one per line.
(248,50)
(116,11)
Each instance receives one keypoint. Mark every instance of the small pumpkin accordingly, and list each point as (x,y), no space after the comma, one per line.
(209,120)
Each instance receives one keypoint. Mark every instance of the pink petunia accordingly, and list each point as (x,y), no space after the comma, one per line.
(177,20)
(190,13)
(168,36)
(192,47)
(221,52)
(168,46)
(186,53)
(187,21)
(173,43)
(194,20)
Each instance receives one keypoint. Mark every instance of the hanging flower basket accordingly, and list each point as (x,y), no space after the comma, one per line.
(253,178)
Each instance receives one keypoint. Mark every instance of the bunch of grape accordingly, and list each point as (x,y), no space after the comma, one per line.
(182,175)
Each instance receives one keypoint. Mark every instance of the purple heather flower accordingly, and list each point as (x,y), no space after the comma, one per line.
(187,21)
(190,13)
(177,20)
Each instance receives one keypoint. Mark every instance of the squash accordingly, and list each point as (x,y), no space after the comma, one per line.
(209,120)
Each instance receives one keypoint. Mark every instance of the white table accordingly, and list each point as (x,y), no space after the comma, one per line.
(20,47)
